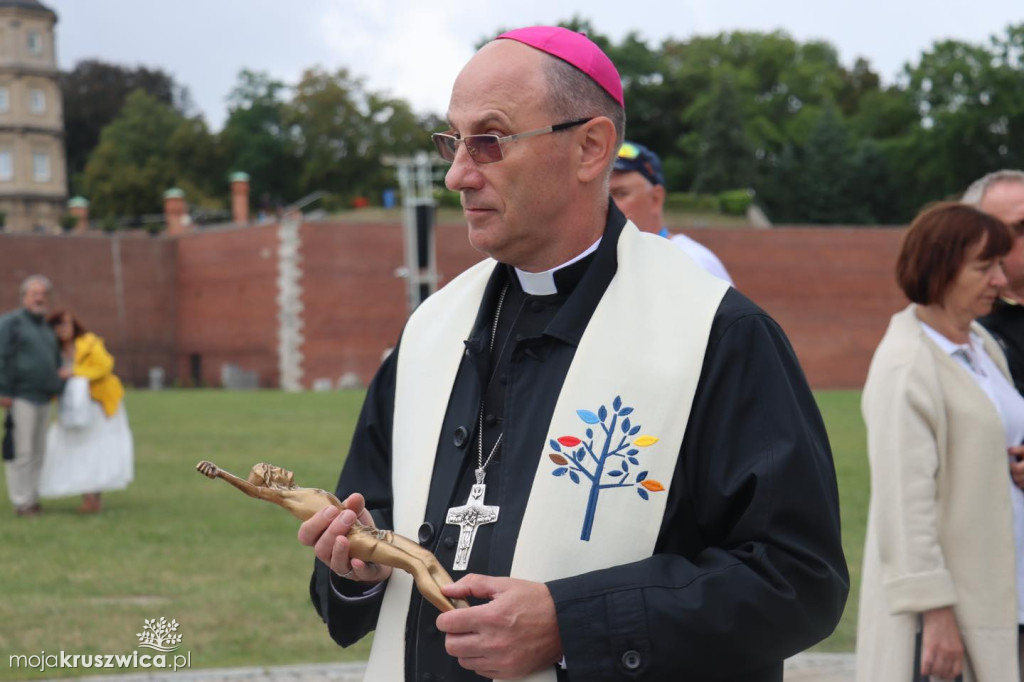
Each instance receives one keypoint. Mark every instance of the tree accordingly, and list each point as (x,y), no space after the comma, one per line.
(725,158)
(606,458)
(93,94)
(148,148)
(258,140)
(342,132)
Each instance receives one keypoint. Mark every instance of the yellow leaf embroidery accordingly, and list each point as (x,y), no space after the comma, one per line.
(644,441)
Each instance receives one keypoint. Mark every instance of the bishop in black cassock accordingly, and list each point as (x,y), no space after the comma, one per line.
(746,567)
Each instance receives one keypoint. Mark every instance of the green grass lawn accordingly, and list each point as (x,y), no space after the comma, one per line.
(226,567)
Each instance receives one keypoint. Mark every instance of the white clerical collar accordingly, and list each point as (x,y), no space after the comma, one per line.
(543,283)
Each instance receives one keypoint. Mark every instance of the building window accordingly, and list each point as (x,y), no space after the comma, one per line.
(37,101)
(5,98)
(41,167)
(35,42)
(6,165)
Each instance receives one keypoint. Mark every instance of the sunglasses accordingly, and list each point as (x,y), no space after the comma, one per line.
(490,148)
(629,151)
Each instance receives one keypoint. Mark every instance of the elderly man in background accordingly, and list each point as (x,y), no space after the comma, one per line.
(638,187)
(30,376)
(1001,194)
(615,452)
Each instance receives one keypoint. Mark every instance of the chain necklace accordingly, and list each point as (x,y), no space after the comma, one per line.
(475,513)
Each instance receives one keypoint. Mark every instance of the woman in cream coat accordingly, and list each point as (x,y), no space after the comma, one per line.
(945,516)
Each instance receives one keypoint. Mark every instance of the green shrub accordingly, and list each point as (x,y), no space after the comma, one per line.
(691,203)
(735,201)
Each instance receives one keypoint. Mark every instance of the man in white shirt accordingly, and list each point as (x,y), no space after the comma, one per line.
(638,188)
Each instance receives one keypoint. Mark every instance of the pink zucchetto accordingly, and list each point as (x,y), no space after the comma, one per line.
(576,49)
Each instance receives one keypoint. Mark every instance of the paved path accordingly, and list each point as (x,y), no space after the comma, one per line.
(801,668)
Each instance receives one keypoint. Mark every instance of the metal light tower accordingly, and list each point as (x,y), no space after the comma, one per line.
(415,178)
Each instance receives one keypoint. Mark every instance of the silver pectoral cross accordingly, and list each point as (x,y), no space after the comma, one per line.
(469,517)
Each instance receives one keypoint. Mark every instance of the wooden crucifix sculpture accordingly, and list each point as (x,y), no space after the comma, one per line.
(277,485)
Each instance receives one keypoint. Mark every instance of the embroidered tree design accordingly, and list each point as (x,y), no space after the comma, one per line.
(159,634)
(610,464)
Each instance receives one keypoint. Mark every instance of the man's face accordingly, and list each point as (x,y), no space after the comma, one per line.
(36,299)
(513,206)
(1005,200)
(638,199)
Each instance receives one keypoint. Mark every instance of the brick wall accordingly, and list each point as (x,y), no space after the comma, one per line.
(227,303)
(832,290)
(123,289)
(213,294)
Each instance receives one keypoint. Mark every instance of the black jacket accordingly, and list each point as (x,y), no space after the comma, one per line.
(1006,324)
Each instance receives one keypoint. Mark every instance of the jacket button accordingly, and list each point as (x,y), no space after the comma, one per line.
(426,533)
(449,542)
(461,436)
(631,659)
(490,419)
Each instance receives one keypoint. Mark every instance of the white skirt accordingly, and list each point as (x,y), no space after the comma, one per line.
(94,458)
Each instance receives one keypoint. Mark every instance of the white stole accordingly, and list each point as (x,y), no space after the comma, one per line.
(639,359)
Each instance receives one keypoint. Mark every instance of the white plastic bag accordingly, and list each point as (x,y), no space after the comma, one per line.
(74,404)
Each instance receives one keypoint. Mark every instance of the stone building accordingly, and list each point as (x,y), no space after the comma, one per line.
(33,183)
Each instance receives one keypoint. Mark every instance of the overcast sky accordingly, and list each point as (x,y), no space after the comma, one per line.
(414,49)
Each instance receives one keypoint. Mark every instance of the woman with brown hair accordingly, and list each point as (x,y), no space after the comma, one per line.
(89,448)
(946,522)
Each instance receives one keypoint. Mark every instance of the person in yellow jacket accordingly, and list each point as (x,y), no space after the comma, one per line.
(89,448)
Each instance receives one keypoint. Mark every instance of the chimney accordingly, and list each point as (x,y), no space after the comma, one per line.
(79,208)
(176,212)
(240,198)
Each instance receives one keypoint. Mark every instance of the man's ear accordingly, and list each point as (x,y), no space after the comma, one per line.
(658,196)
(597,148)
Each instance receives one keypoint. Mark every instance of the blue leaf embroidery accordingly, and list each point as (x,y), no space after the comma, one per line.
(589,417)
(559,472)
(556,446)
(642,493)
